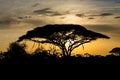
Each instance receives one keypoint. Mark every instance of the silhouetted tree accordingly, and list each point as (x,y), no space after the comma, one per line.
(67,37)
(115,51)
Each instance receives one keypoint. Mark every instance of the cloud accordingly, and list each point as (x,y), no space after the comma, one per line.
(106,14)
(80,15)
(43,11)
(103,14)
(24,17)
(20,22)
(118,17)
(105,28)
(62,17)
(36,4)
(48,12)
(94,15)
(91,18)
(8,21)
(56,14)
(35,22)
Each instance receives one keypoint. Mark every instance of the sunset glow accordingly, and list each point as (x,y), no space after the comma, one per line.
(71,19)
(19,16)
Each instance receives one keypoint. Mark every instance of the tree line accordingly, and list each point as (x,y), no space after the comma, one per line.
(58,35)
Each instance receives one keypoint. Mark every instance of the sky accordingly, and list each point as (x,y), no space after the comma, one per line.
(103,16)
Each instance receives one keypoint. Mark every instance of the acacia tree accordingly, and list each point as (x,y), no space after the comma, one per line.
(115,51)
(67,37)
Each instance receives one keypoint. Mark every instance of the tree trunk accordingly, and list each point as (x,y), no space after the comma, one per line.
(65,52)
(69,52)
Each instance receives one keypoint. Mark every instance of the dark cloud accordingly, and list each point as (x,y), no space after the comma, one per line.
(91,18)
(80,15)
(106,14)
(43,11)
(5,21)
(94,15)
(20,17)
(16,22)
(56,14)
(8,21)
(105,28)
(103,14)
(48,12)
(7,24)
(118,17)
(24,17)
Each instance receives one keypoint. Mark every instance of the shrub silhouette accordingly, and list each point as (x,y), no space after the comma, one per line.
(16,52)
(43,57)
(61,35)
(1,55)
(115,51)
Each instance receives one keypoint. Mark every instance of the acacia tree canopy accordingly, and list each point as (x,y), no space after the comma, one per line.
(61,34)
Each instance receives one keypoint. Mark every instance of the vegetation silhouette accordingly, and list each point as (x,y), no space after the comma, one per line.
(16,53)
(43,57)
(61,35)
(115,51)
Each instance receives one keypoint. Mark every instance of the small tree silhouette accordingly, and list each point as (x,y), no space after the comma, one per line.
(16,50)
(115,51)
(67,37)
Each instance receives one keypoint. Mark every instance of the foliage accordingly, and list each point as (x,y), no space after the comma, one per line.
(43,57)
(115,51)
(16,50)
(67,37)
